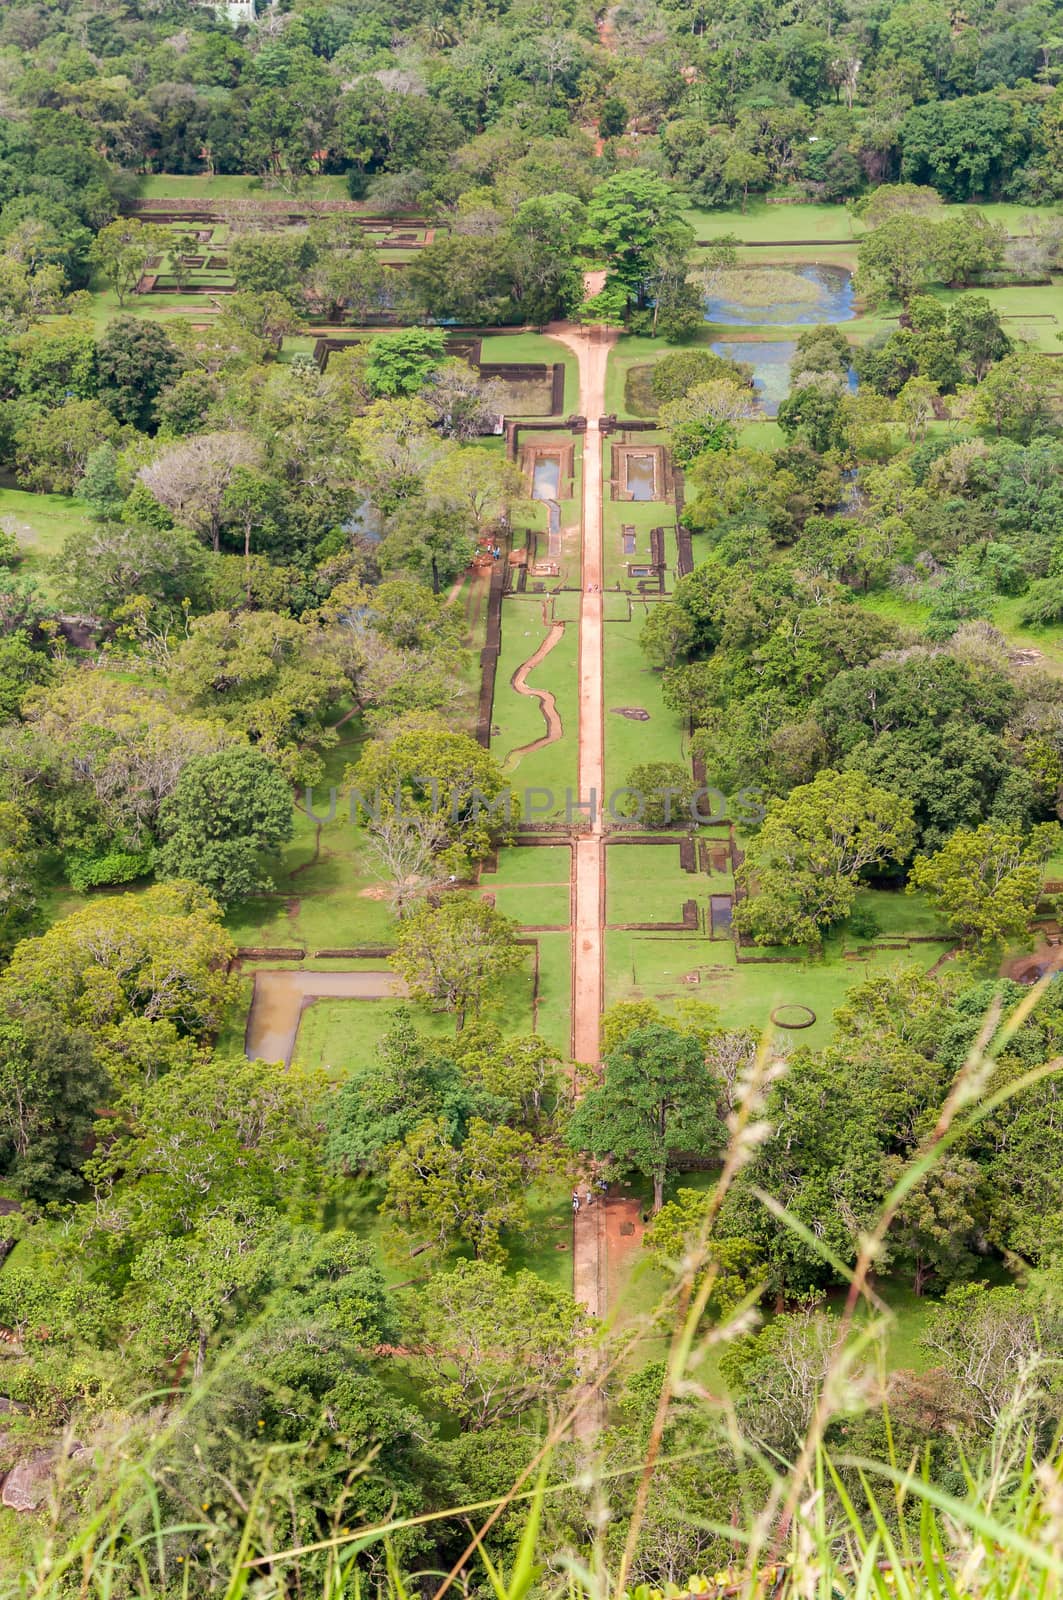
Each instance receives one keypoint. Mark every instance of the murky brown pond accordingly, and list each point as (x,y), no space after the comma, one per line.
(280,996)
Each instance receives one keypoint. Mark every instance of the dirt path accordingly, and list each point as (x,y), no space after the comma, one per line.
(591,348)
(545,697)
(280,996)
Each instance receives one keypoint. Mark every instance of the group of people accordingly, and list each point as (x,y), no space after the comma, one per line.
(588,1198)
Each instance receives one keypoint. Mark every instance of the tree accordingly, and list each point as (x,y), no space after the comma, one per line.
(51,1089)
(264,317)
(19,869)
(477,481)
(664,791)
(465,406)
(410,1081)
(182,1287)
(441,772)
(542,246)
(745,170)
(976,330)
(265,675)
(433,542)
(1013,399)
(53,451)
(192,478)
(252,500)
(897,259)
(677,374)
(455,954)
(800,872)
(136,360)
(99,488)
(103,567)
(677,1236)
(521,1075)
(226,809)
(656,1098)
(815,411)
(986,881)
(405,850)
(469,1192)
(125,248)
(496,1343)
(705,417)
(401,363)
(634,220)
(161,956)
(209,1133)
(937,1226)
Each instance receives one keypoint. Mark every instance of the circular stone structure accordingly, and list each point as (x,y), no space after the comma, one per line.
(793,1016)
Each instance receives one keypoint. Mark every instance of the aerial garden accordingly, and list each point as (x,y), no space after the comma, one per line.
(531,758)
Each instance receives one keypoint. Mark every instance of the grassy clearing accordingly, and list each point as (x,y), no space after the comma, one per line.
(645,883)
(532,884)
(762,223)
(336,1035)
(631,683)
(535,347)
(1047,641)
(339,1034)
(664,966)
(239,186)
(518,717)
(42,523)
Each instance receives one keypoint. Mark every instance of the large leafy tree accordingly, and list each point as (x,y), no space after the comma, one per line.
(463,1193)
(635,223)
(124,249)
(657,1098)
(136,360)
(401,363)
(498,1343)
(51,1090)
(161,956)
(438,770)
(226,809)
(382,1100)
(456,955)
(801,870)
(986,881)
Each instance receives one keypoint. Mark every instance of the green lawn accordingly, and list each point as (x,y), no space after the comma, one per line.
(41,523)
(631,683)
(238,186)
(645,883)
(532,884)
(761,223)
(663,967)
(518,717)
(535,347)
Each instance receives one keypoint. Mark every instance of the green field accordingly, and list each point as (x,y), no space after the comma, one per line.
(537,348)
(518,717)
(765,223)
(531,883)
(748,985)
(630,683)
(645,883)
(41,523)
(242,186)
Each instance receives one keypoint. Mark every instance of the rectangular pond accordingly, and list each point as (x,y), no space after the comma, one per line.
(640,476)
